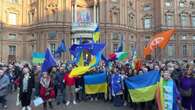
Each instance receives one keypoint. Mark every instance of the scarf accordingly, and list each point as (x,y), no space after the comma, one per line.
(45,82)
(25,82)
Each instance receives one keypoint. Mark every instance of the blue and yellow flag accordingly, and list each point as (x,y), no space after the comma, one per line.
(96,35)
(167,95)
(95,83)
(142,88)
(38,58)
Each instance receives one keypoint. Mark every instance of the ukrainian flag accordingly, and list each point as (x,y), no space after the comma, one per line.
(96,83)
(38,58)
(142,88)
(96,35)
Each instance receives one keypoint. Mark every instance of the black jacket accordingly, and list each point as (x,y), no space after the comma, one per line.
(30,83)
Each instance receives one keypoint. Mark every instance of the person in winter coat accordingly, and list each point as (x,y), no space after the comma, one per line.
(60,96)
(117,87)
(26,85)
(70,88)
(4,83)
(185,88)
(47,92)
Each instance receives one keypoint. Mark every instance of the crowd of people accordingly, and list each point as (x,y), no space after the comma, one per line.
(55,86)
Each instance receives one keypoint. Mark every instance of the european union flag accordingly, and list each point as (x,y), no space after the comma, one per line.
(61,48)
(49,61)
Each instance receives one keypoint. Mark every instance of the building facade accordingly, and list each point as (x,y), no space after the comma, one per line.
(28,26)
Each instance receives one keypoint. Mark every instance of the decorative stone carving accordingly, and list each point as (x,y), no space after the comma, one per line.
(52,4)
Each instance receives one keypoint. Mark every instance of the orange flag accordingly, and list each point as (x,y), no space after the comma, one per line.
(160,40)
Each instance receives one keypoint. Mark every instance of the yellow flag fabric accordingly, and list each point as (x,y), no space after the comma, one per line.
(81,61)
(93,61)
(79,71)
(96,83)
(96,36)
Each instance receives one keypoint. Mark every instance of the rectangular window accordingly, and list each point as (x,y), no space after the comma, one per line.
(147,8)
(181,4)
(12,18)
(13,1)
(193,21)
(52,35)
(184,21)
(12,50)
(147,23)
(12,36)
(193,50)
(192,4)
(115,1)
(193,37)
(169,20)
(114,47)
(168,3)
(171,51)
(53,47)
(185,50)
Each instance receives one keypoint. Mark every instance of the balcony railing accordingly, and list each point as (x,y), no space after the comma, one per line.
(84,27)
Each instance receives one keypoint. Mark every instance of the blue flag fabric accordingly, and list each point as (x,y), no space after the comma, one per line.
(116,84)
(96,83)
(61,48)
(120,47)
(143,84)
(106,61)
(49,61)
(93,48)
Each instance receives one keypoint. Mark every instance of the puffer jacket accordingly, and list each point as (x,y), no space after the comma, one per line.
(4,82)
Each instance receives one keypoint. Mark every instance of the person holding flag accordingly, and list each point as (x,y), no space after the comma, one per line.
(70,87)
(168,96)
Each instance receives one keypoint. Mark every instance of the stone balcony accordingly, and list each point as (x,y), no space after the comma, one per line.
(84,27)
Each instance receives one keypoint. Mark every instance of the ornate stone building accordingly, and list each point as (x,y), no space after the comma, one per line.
(28,26)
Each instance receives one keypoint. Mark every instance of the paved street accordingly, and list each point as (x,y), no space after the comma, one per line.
(95,105)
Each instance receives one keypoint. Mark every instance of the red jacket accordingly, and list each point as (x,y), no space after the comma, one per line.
(69,81)
(47,94)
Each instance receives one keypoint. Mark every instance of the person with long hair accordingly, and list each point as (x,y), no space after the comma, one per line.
(47,92)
